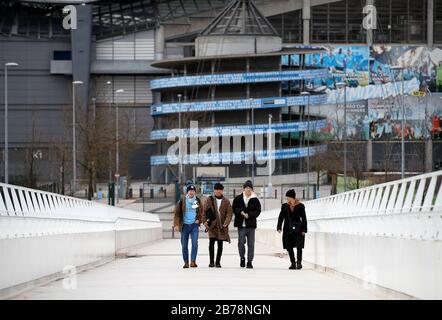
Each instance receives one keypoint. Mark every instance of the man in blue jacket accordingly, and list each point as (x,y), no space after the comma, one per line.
(187,219)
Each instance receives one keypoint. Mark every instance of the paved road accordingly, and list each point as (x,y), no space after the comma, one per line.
(155,272)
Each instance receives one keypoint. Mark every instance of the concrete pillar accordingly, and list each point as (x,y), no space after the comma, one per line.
(428,155)
(155,174)
(81,42)
(306,20)
(159,43)
(369,155)
(430,22)
(280,142)
(369,32)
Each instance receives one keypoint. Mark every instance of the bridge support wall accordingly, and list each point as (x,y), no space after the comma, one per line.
(29,261)
(407,267)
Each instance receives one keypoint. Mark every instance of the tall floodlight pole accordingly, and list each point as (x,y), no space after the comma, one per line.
(8,64)
(117,148)
(306,93)
(74,139)
(344,85)
(180,152)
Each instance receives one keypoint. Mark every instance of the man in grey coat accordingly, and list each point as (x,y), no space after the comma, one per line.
(246,208)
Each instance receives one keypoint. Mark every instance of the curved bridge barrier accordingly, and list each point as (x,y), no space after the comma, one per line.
(45,236)
(385,236)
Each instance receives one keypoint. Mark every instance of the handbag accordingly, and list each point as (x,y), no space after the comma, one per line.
(210,216)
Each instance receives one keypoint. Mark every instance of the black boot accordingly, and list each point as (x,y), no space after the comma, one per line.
(243,262)
(212,253)
(218,264)
(292,258)
(249,265)
(299,256)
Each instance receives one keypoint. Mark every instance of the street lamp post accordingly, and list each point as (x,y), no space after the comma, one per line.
(8,64)
(110,153)
(180,170)
(402,122)
(344,85)
(117,151)
(306,93)
(74,139)
(403,129)
(270,154)
(253,143)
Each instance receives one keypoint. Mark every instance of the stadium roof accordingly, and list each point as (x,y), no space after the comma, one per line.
(43,18)
(240,17)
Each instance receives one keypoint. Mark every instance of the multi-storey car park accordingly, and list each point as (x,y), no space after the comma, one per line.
(231,87)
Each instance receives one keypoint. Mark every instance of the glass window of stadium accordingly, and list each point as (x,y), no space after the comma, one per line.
(437,21)
(289,26)
(399,21)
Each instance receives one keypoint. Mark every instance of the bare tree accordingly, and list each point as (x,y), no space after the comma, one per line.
(62,151)
(357,163)
(130,137)
(32,154)
(319,160)
(94,142)
(388,158)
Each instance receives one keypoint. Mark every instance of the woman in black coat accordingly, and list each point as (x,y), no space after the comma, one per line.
(295,227)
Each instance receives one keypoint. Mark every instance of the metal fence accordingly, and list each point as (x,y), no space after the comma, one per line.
(410,208)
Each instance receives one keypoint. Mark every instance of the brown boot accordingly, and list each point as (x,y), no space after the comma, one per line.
(186,265)
(193,264)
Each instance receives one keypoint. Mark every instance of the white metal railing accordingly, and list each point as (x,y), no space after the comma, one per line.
(410,208)
(422,193)
(28,212)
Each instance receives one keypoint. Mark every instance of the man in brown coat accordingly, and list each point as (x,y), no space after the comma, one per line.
(216,218)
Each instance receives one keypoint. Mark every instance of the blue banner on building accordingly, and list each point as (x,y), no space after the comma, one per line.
(237,78)
(263,103)
(222,131)
(237,157)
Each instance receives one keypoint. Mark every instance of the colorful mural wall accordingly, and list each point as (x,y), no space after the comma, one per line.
(357,121)
(422,117)
(374,103)
(422,63)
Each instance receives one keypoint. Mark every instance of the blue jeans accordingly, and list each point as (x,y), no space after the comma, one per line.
(191,230)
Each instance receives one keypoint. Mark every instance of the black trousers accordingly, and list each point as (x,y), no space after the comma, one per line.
(219,252)
(292,255)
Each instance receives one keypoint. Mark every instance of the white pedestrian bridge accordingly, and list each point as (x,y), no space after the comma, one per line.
(381,242)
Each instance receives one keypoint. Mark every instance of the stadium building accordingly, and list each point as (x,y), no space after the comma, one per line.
(122,50)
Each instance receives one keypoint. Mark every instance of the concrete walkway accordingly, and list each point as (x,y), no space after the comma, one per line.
(155,272)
